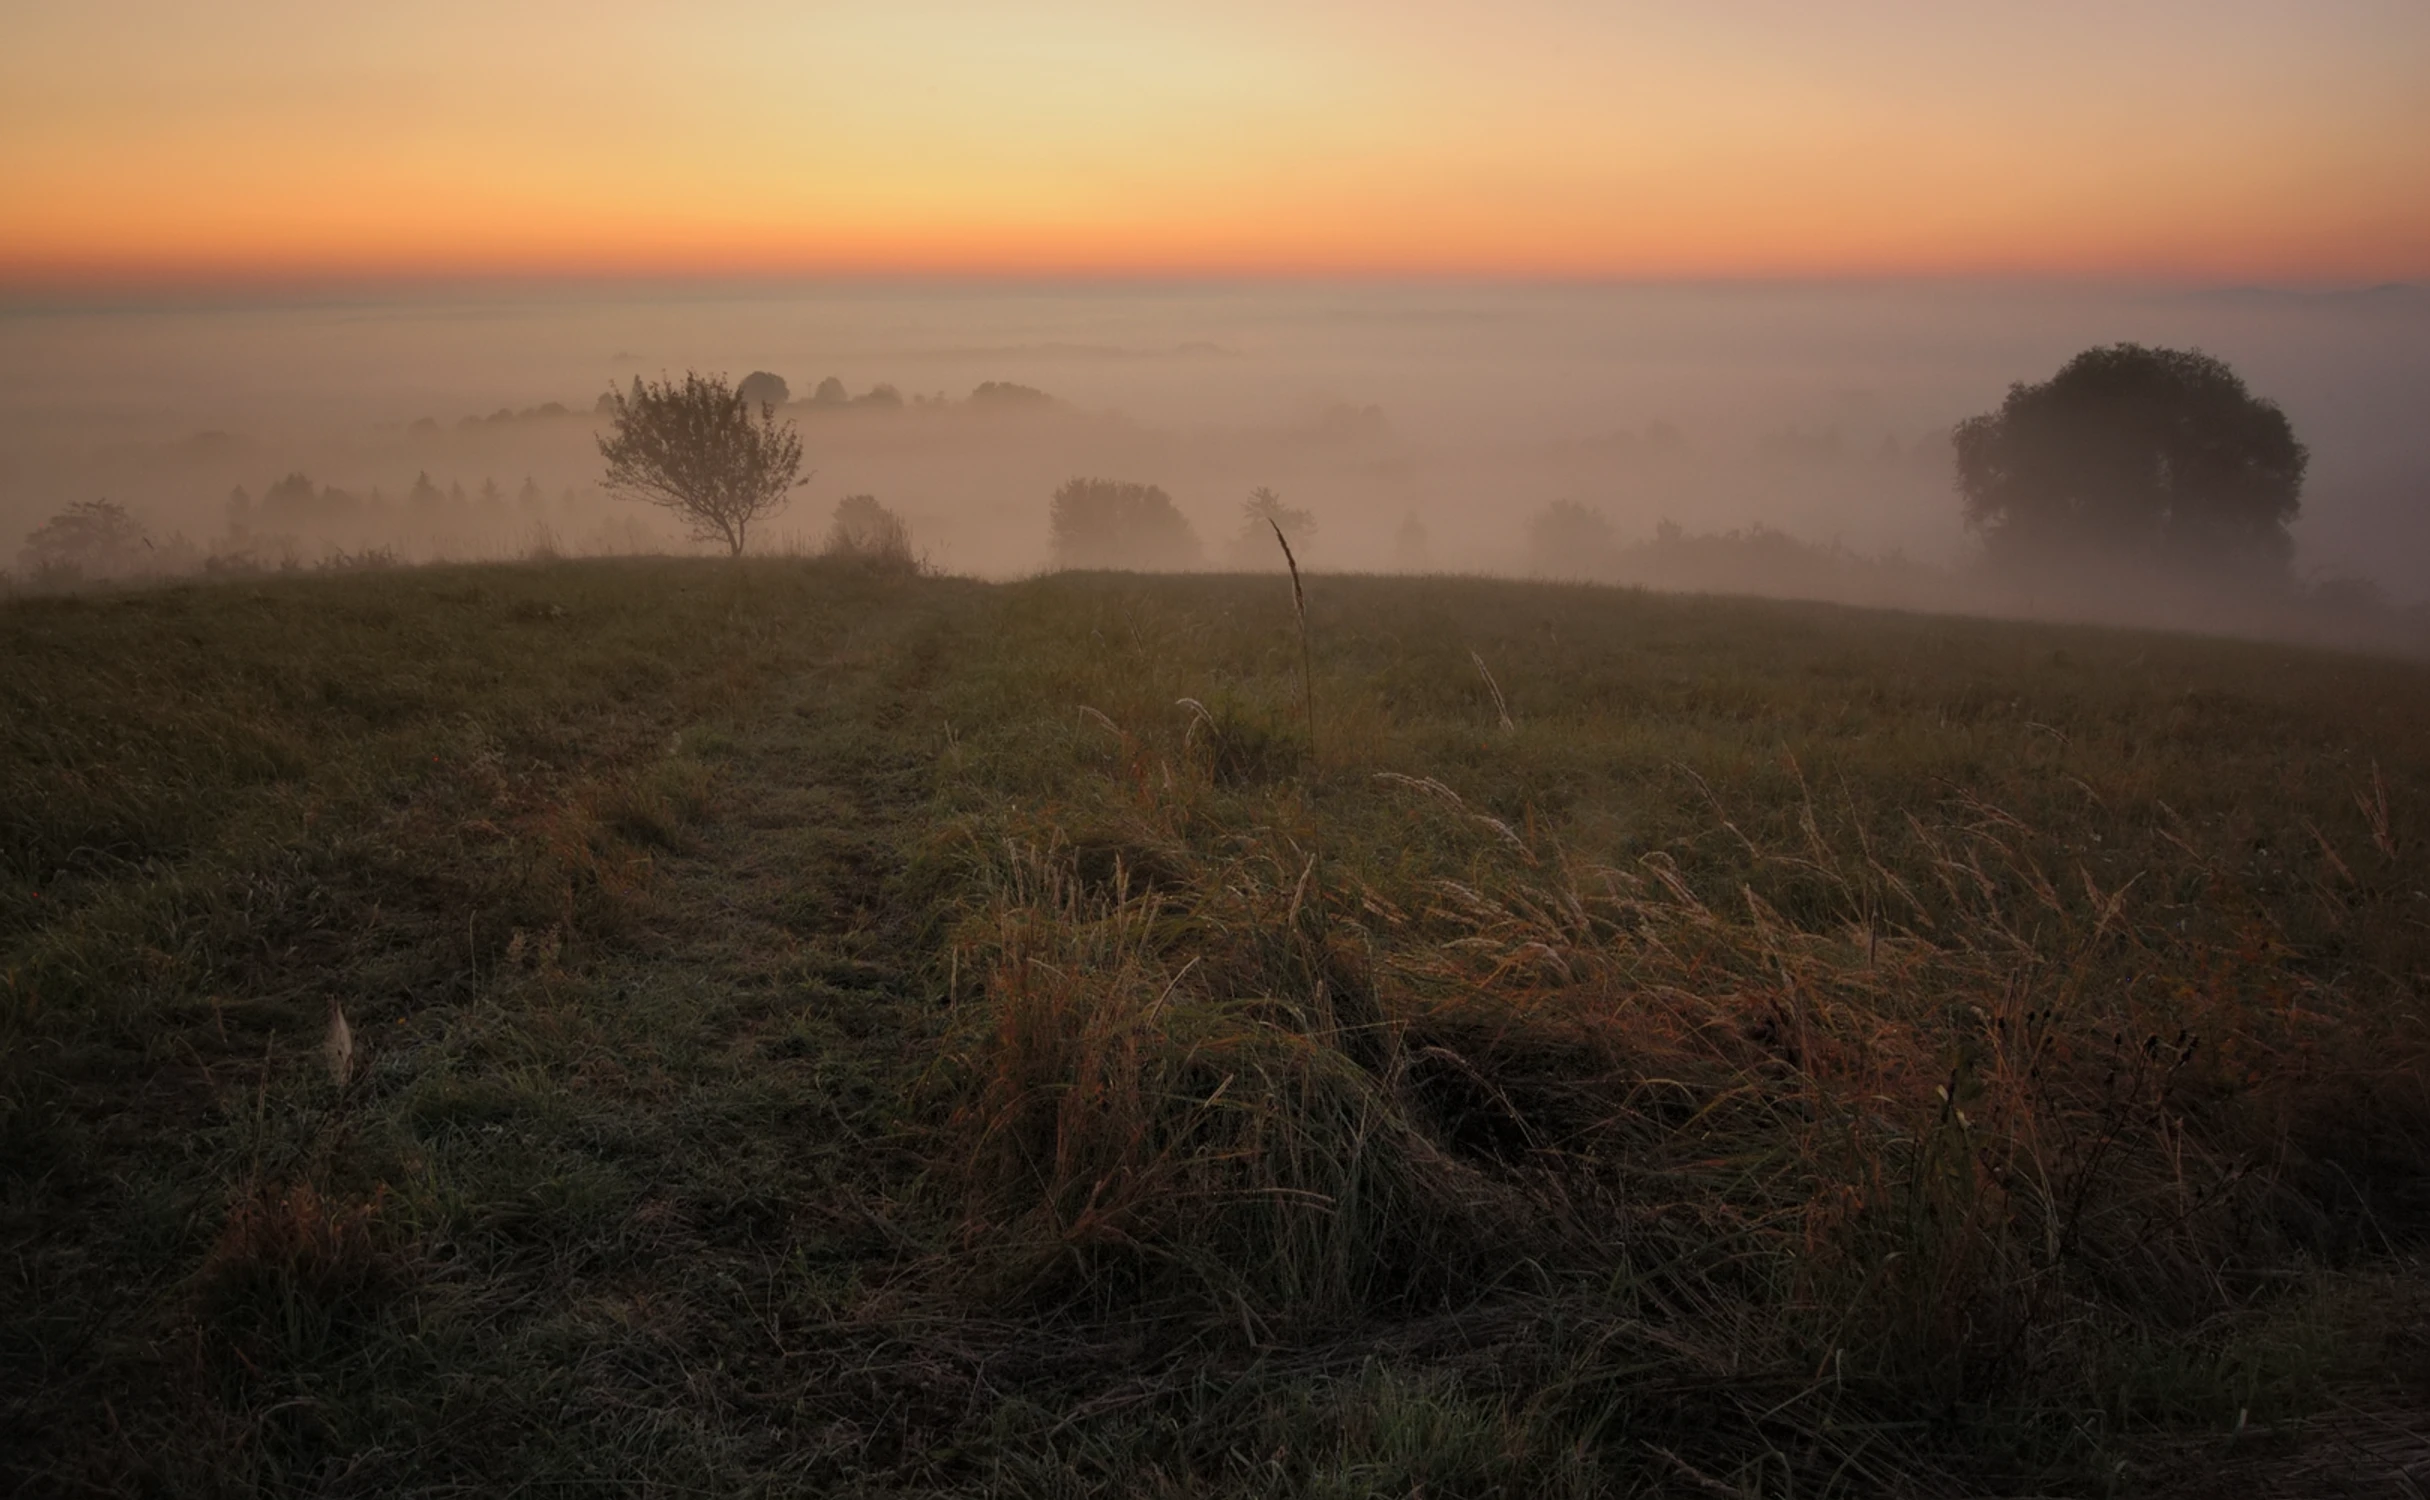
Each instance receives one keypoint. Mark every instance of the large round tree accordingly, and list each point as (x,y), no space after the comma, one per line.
(2147,455)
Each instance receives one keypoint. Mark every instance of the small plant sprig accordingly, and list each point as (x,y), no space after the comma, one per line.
(1307,654)
(1501,706)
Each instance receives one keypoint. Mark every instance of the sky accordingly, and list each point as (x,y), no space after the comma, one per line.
(2209,141)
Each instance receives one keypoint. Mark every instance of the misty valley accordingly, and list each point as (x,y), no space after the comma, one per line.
(1784,441)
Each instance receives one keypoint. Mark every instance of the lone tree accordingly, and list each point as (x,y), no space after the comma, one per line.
(1113,523)
(696,449)
(2156,455)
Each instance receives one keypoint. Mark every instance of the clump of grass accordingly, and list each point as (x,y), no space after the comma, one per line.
(649,808)
(365,559)
(1135,1122)
(1236,745)
(289,1265)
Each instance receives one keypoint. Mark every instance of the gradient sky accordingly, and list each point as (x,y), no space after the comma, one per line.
(150,140)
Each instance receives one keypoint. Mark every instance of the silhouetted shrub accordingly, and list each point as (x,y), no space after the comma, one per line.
(1569,540)
(867,533)
(1114,523)
(87,539)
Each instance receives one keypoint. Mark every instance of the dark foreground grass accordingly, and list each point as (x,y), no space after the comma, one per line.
(818,1031)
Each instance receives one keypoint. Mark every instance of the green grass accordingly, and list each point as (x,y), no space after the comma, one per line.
(822,1030)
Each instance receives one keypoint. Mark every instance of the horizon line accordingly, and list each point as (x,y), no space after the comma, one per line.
(70,292)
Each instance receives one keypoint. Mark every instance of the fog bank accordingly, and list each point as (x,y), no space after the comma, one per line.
(462,424)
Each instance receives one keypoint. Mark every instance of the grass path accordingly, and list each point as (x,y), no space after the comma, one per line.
(765,1018)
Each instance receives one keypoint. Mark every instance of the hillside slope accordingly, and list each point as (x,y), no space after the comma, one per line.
(806,1029)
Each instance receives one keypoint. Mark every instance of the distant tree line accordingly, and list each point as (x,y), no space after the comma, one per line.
(2150,457)
(767,388)
(294,503)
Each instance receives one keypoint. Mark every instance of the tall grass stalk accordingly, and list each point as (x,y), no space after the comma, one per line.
(1307,653)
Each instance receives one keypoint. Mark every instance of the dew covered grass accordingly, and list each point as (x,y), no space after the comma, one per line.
(815,1028)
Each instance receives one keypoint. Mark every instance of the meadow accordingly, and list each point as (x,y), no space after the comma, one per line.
(788,1027)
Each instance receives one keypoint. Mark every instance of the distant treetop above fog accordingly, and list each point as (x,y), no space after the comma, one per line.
(762,388)
(1008,393)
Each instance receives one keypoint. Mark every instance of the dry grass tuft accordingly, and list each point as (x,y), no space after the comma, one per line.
(1212,1126)
(285,1255)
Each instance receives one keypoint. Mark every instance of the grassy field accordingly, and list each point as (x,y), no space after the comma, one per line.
(692,1027)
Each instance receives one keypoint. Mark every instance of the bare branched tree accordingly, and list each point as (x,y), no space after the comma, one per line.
(696,449)
(1264,516)
(1264,508)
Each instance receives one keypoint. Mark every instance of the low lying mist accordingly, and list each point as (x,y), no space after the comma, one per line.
(1791,441)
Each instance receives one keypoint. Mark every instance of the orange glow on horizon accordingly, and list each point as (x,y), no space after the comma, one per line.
(2229,139)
